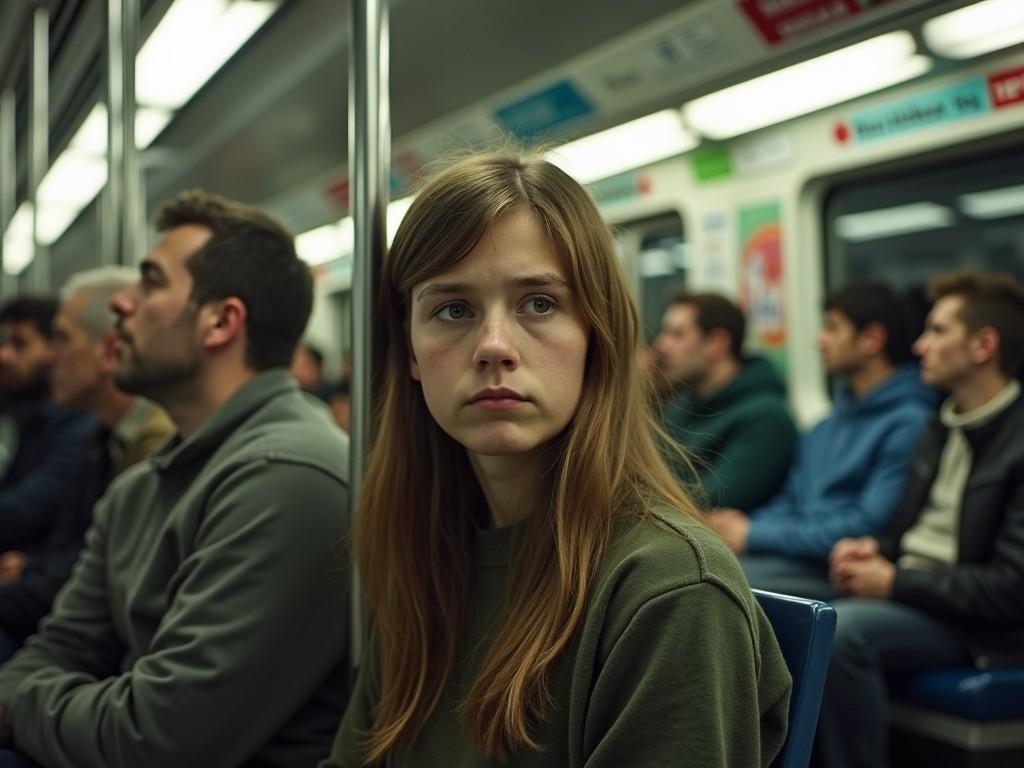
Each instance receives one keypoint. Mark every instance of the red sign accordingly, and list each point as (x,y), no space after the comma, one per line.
(1006,87)
(338,192)
(779,20)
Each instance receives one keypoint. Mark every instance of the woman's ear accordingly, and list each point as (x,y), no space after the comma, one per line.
(414,369)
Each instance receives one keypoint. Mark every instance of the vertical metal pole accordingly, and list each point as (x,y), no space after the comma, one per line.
(369,142)
(122,208)
(39,140)
(8,178)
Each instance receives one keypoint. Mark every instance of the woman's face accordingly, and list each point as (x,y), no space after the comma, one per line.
(499,343)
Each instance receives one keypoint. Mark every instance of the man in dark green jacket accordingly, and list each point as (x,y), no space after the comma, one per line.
(205,622)
(728,410)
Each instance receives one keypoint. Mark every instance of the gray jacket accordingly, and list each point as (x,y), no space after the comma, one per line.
(205,623)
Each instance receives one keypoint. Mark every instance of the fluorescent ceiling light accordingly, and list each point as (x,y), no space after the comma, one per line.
(806,87)
(889,222)
(994,203)
(193,40)
(627,146)
(976,29)
(149,122)
(396,212)
(91,138)
(18,246)
(336,241)
(326,243)
(73,180)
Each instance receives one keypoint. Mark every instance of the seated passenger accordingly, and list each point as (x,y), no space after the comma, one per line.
(205,622)
(129,429)
(538,585)
(42,475)
(728,410)
(307,369)
(849,470)
(945,587)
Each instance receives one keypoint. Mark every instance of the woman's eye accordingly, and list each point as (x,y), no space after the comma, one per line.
(539,305)
(452,312)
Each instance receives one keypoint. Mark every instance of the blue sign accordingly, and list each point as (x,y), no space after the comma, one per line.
(968,99)
(539,113)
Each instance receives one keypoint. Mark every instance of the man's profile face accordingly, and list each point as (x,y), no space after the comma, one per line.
(945,345)
(680,347)
(158,338)
(78,358)
(26,356)
(838,342)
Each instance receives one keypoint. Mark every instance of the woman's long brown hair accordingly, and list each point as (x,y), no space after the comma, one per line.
(415,528)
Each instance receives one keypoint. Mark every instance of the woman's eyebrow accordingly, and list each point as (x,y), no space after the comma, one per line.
(442,289)
(542,280)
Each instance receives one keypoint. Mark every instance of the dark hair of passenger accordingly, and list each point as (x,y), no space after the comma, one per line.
(869,303)
(995,301)
(252,257)
(38,310)
(415,527)
(715,311)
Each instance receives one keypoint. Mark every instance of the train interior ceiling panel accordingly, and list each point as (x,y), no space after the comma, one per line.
(768,149)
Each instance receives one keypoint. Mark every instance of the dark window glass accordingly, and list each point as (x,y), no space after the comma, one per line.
(904,227)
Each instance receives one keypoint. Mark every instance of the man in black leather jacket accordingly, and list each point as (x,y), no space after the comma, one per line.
(946,586)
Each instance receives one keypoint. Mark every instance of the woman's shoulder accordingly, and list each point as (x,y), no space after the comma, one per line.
(665,551)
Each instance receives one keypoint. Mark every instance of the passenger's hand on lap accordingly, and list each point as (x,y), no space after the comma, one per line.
(733,526)
(866,577)
(11,566)
(859,548)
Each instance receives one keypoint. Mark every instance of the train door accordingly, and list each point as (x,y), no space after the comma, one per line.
(654,254)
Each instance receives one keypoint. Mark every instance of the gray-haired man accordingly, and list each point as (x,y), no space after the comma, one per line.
(129,429)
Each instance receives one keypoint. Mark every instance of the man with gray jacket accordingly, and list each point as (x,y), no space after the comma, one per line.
(206,620)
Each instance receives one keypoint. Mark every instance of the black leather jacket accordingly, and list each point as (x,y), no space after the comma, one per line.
(983,594)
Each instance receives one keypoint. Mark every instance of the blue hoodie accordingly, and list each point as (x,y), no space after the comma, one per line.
(848,473)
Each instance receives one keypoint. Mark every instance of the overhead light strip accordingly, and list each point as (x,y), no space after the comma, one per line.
(634,144)
(977,29)
(193,40)
(807,87)
(18,244)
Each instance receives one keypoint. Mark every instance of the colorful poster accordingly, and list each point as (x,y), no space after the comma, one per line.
(762,278)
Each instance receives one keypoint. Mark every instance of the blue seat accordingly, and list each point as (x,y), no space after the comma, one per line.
(996,694)
(804,629)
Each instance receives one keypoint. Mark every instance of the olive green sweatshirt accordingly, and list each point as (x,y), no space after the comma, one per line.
(673,664)
(205,623)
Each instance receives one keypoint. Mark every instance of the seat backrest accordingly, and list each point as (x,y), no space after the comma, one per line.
(804,629)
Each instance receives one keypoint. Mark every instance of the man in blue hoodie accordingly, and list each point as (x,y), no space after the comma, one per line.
(849,470)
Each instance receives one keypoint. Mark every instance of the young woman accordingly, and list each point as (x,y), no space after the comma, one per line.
(541,592)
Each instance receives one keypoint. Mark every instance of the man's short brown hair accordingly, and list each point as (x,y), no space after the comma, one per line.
(715,311)
(994,301)
(252,257)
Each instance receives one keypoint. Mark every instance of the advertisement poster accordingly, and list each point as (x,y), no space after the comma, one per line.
(762,277)
(717,248)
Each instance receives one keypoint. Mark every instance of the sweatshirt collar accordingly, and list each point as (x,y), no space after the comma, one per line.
(983,414)
(239,407)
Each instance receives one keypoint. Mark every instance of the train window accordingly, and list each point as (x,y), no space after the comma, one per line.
(654,253)
(909,226)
